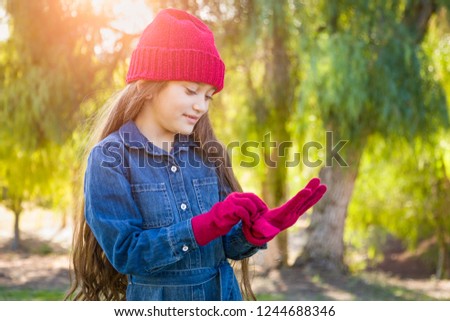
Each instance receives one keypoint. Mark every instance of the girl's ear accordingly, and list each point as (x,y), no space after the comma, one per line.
(140,86)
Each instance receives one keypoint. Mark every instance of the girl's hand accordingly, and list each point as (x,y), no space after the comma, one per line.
(269,223)
(287,214)
(224,215)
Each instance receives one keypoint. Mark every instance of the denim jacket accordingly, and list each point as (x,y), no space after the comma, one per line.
(139,202)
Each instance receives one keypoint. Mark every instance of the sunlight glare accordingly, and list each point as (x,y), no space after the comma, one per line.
(131,16)
(4,28)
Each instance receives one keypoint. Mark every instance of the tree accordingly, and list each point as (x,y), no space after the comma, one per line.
(364,81)
(48,67)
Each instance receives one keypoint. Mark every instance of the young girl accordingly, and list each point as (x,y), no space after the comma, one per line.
(163,211)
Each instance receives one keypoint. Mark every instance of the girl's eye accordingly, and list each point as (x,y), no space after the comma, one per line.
(191,92)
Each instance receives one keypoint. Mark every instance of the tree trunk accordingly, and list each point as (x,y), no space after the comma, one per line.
(271,256)
(440,218)
(441,269)
(278,71)
(278,184)
(325,245)
(274,193)
(15,246)
(16,207)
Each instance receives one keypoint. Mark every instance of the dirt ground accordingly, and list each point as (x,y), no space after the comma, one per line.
(30,271)
(44,264)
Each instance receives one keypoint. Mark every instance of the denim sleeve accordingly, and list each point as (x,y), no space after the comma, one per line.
(235,244)
(116,222)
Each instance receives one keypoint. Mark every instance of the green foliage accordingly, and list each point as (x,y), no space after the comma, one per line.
(401,187)
(336,81)
(397,195)
(376,75)
(48,67)
(362,79)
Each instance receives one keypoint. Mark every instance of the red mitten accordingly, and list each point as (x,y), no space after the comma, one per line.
(219,220)
(255,227)
(268,224)
(287,214)
(260,232)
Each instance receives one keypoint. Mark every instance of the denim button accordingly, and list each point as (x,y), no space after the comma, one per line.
(173,169)
(183,206)
(185,248)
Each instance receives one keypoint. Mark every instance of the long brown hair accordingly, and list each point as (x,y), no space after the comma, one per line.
(92,275)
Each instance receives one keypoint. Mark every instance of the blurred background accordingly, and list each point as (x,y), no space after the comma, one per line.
(375,74)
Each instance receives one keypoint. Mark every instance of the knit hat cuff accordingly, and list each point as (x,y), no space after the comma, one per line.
(165,64)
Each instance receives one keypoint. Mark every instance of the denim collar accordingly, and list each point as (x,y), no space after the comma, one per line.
(133,138)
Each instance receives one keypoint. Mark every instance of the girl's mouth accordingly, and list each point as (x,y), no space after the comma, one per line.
(191,119)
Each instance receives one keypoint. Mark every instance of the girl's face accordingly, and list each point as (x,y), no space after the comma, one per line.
(175,109)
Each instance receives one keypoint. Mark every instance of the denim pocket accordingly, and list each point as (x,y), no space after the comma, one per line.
(206,191)
(154,204)
(198,291)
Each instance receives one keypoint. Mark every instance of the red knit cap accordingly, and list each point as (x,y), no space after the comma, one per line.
(177,46)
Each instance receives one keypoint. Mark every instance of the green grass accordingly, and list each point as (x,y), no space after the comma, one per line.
(270,297)
(357,287)
(361,287)
(31,295)
(368,289)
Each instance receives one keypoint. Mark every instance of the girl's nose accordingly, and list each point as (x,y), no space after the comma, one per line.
(200,107)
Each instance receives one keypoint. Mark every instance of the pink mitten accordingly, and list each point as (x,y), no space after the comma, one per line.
(287,214)
(269,223)
(260,232)
(219,220)
(256,224)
